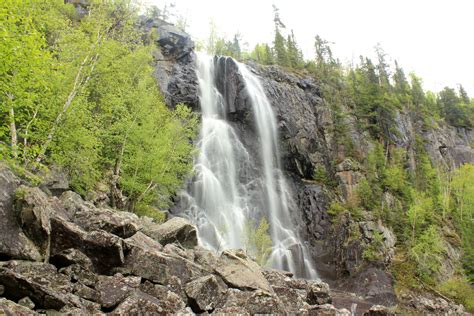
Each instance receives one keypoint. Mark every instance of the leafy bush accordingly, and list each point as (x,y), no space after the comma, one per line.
(142,209)
(428,252)
(460,290)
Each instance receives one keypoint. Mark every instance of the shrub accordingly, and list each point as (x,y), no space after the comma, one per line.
(142,209)
(459,290)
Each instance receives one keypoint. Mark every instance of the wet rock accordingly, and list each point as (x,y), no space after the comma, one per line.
(71,256)
(139,303)
(177,230)
(170,302)
(238,271)
(113,290)
(204,292)
(11,308)
(122,224)
(26,302)
(318,293)
(104,249)
(15,244)
(39,281)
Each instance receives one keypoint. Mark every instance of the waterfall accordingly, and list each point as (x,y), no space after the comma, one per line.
(226,190)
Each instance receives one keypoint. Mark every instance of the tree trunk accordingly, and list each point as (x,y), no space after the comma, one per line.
(14,139)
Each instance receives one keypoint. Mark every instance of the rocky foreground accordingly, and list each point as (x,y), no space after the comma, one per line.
(63,254)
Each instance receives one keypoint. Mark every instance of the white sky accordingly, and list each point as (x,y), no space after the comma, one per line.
(434,38)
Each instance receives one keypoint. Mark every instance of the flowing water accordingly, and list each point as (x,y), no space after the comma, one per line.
(226,190)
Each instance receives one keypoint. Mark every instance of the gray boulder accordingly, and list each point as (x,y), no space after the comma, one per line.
(175,230)
(15,244)
(318,293)
(122,224)
(238,271)
(11,308)
(204,293)
(41,282)
(104,249)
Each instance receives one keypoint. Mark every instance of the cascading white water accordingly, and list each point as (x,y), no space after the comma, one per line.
(223,192)
(288,251)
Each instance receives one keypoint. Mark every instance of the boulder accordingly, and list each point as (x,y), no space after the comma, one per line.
(34,211)
(55,181)
(14,242)
(318,293)
(177,229)
(41,282)
(73,202)
(238,271)
(122,224)
(251,303)
(113,290)
(71,256)
(11,308)
(170,302)
(104,249)
(146,260)
(204,292)
(139,303)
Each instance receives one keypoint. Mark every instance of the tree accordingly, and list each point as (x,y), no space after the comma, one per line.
(258,241)
(279,43)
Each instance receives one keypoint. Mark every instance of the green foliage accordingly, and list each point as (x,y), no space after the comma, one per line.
(373,251)
(460,290)
(143,209)
(321,175)
(258,241)
(462,184)
(79,92)
(428,252)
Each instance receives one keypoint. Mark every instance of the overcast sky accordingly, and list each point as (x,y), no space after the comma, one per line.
(433,38)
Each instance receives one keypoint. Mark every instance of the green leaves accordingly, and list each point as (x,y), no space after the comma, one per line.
(83,96)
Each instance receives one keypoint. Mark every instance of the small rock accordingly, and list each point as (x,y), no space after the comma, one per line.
(26,302)
(113,290)
(2,290)
(378,310)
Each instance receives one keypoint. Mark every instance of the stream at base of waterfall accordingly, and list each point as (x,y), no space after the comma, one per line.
(226,191)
